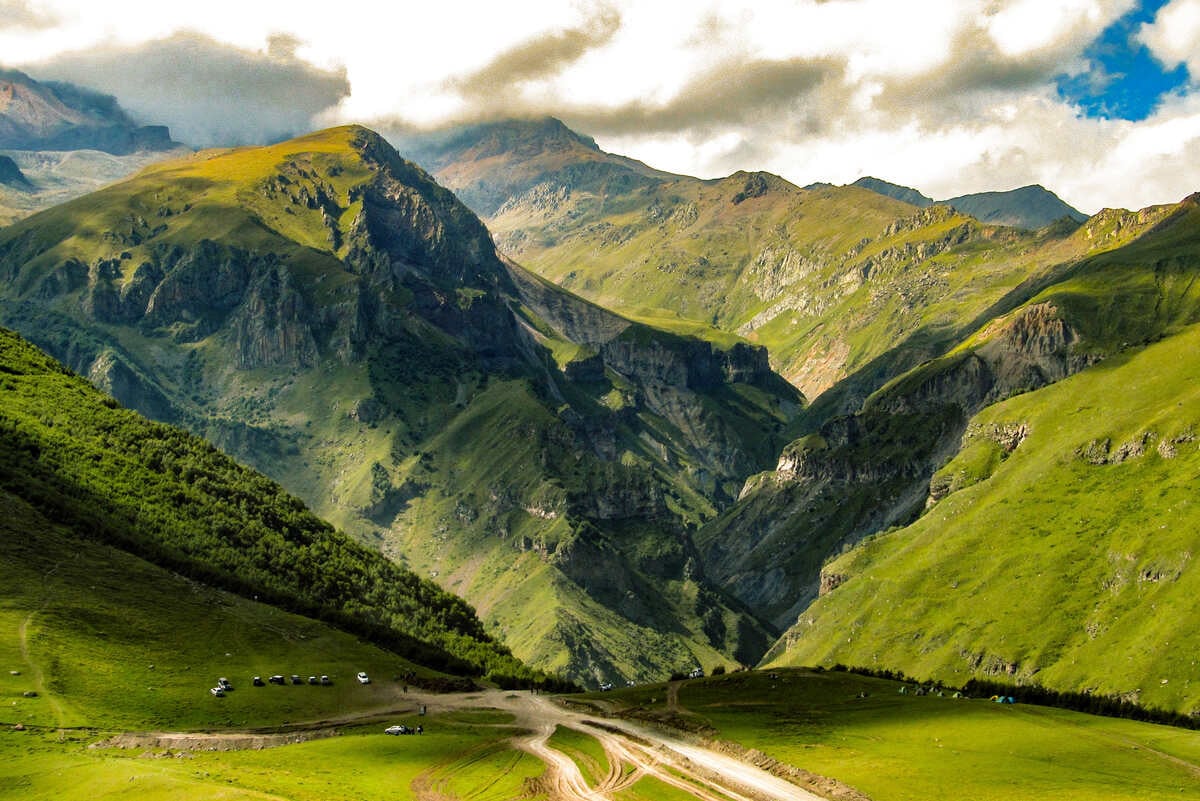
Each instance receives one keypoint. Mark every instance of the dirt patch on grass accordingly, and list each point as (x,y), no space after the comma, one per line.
(200,741)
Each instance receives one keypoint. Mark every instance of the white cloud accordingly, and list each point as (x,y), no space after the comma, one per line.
(1174,36)
(950,96)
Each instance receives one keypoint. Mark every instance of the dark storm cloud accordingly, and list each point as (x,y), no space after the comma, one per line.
(732,94)
(209,93)
(538,58)
(18,14)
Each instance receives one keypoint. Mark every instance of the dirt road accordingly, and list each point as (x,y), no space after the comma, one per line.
(632,751)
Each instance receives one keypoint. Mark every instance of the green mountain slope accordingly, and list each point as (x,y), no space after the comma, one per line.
(105,639)
(324,311)
(1058,549)
(900,323)
(107,475)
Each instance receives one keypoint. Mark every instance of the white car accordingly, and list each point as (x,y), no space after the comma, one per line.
(363,678)
(396,730)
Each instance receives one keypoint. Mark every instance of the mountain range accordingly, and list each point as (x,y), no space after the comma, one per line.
(55,115)
(324,311)
(644,422)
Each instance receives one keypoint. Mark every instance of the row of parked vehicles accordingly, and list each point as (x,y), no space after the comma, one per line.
(224,686)
(257,681)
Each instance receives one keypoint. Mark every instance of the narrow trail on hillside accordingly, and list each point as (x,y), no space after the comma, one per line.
(35,670)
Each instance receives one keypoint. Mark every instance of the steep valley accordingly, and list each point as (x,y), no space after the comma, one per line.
(902,324)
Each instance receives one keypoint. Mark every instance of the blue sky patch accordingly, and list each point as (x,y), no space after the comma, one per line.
(1125,81)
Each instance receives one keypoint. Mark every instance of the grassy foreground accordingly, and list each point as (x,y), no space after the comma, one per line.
(452,759)
(895,747)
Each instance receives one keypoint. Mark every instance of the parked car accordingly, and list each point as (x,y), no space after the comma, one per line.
(396,730)
(257,681)
(312,680)
(325,680)
(217,692)
(363,678)
(276,679)
(296,679)
(224,684)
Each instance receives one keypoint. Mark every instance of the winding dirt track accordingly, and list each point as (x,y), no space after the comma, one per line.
(633,752)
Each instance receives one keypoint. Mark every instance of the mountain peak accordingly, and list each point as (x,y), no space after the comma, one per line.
(54,115)
(904,193)
(488,163)
(1032,207)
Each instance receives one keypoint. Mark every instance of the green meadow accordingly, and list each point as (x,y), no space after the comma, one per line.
(451,760)
(895,747)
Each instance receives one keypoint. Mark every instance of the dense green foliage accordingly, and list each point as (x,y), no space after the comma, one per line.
(175,500)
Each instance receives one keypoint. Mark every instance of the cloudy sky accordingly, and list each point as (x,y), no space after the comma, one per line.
(1098,100)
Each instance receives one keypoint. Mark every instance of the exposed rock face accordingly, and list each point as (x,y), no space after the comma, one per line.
(111,373)
(667,373)
(271,328)
(865,472)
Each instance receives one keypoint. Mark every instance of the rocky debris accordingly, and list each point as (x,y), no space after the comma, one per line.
(1101,451)
(830,581)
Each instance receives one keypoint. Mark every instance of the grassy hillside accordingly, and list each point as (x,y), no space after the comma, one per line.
(108,640)
(465,758)
(865,472)
(325,312)
(1059,552)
